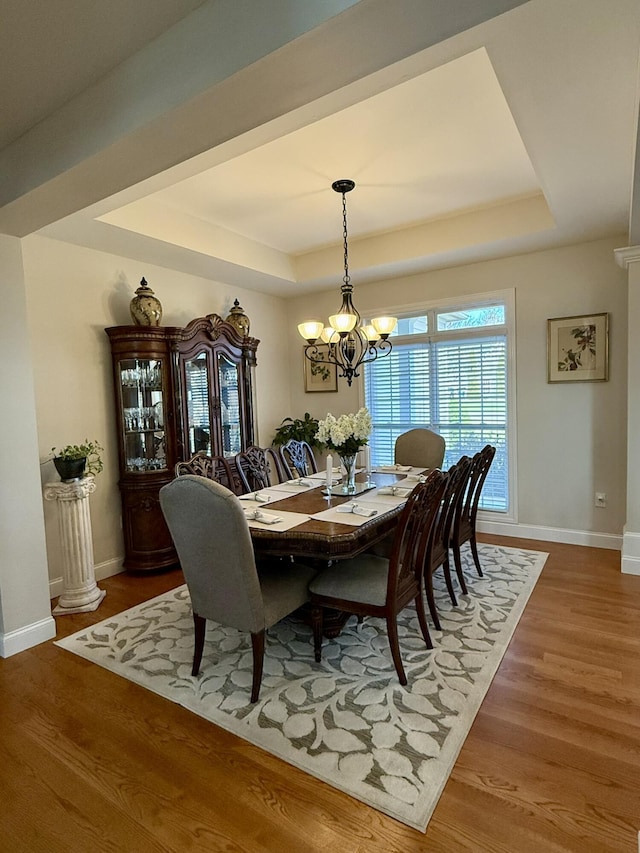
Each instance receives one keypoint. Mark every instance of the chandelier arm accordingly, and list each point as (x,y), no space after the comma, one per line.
(315,355)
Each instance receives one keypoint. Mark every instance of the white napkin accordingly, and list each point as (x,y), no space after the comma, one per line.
(304,484)
(256,496)
(416,478)
(262,517)
(398,491)
(357,509)
(395,467)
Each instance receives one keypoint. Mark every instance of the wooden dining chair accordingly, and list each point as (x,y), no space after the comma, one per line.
(421,447)
(369,585)
(298,459)
(464,522)
(258,468)
(212,539)
(437,550)
(212,467)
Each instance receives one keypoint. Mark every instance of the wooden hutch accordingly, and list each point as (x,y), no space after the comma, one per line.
(177,391)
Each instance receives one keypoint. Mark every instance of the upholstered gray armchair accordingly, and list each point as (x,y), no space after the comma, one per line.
(211,536)
(420,447)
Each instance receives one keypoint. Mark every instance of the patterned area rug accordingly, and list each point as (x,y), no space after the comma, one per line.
(346,720)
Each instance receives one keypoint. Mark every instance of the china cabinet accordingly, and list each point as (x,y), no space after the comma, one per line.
(177,391)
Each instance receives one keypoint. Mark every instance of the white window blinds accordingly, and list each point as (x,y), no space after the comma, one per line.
(457,387)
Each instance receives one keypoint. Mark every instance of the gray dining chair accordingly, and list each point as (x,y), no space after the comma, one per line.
(211,536)
(420,447)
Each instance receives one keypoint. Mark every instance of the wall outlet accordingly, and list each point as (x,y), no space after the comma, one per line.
(601,499)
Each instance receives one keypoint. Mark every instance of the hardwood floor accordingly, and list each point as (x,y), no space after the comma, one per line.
(90,762)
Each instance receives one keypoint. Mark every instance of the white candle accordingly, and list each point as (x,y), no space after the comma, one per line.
(367,459)
(329,471)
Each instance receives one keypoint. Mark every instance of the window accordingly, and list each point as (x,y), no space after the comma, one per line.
(449,370)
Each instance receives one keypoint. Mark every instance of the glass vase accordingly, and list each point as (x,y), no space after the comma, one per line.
(348,462)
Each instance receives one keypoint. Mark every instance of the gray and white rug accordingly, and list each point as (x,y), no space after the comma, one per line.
(346,720)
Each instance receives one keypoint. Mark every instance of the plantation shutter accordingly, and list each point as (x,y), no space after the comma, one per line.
(456,387)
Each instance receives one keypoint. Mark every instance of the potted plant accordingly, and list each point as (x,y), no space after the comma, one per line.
(300,429)
(77,460)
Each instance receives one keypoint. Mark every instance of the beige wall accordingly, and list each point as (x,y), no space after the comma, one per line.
(23,564)
(72,295)
(571,438)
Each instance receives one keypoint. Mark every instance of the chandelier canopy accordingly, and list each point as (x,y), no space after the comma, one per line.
(347,341)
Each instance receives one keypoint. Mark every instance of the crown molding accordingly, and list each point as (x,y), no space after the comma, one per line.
(626,256)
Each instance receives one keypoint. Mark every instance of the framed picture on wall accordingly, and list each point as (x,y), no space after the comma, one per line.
(319,376)
(578,348)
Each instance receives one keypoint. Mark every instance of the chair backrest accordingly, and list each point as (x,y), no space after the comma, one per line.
(298,459)
(467,509)
(212,467)
(212,539)
(438,546)
(480,464)
(420,447)
(412,535)
(258,468)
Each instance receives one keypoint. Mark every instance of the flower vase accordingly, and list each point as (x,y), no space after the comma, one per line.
(348,462)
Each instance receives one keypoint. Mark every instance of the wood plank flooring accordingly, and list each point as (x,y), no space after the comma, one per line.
(90,762)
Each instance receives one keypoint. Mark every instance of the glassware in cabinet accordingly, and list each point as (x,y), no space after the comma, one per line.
(142,404)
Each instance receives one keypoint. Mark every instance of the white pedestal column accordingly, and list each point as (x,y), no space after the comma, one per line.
(80,592)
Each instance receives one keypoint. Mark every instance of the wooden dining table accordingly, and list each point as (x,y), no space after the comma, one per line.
(328,540)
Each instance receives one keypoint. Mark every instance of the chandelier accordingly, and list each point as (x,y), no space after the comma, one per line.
(347,341)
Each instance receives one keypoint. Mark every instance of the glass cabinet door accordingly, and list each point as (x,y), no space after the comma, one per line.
(229,406)
(197,396)
(143,428)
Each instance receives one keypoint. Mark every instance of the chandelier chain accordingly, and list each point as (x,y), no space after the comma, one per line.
(346,278)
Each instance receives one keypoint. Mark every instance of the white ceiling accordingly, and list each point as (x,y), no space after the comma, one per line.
(515,135)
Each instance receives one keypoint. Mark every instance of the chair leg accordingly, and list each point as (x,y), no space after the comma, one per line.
(428,585)
(392,632)
(200,626)
(447,577)
(317,620)
(257,643)
(458,564)
(474,551)
(422,619)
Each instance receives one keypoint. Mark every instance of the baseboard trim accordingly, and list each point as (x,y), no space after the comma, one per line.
(102,571)
(631,553)
(630,565)
(588,538)
(29,635)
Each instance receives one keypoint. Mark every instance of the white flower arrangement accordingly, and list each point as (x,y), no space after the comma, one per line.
(346,434)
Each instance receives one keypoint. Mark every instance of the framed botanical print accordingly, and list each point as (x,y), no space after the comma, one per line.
(578,348)
(319,376)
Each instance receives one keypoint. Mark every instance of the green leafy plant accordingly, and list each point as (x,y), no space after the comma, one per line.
(89,450)
(300,429)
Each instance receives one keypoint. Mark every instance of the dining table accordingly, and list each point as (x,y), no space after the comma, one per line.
(322,534)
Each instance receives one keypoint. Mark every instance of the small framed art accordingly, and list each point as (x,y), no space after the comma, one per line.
(319,376)
(578,348)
